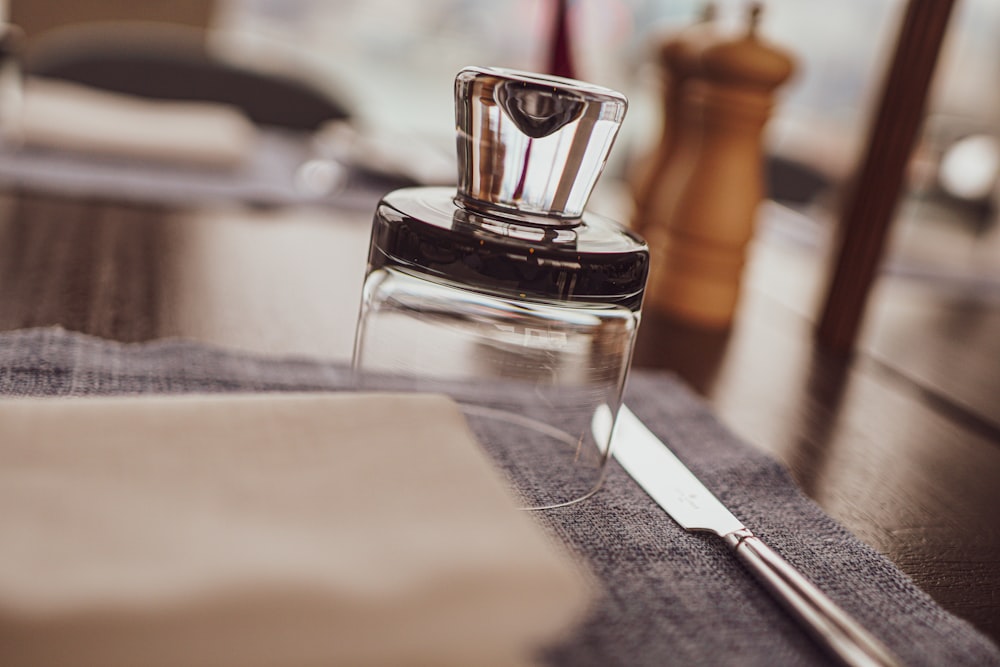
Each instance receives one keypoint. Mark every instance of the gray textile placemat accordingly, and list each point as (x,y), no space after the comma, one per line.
(670,598)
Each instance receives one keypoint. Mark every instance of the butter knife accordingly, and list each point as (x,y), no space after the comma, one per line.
(675,489)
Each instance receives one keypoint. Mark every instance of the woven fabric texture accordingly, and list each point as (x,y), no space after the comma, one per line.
(667,597)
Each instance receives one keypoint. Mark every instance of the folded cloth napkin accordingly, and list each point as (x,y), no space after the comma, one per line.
(72,117)
(266,529)
(667,597)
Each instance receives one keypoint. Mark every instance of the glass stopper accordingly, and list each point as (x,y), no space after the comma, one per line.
(532,144)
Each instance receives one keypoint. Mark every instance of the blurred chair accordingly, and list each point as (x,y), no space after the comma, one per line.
(159,49)
(871,205)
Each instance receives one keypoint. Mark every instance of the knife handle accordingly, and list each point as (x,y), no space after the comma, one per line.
(830,625)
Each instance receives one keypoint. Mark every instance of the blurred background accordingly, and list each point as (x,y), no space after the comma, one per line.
(389,65)
(309,110)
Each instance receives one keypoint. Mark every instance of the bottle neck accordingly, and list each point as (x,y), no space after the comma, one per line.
(508,214)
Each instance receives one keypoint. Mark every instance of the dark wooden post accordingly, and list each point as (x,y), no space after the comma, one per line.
(871,205)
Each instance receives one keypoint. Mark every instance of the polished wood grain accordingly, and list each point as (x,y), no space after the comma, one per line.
(900,441)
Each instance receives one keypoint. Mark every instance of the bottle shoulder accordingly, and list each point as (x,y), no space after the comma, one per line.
(423,231)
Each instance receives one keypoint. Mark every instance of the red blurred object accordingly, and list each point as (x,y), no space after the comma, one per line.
(560,48)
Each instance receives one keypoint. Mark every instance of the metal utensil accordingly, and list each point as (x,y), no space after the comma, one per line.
(675,488)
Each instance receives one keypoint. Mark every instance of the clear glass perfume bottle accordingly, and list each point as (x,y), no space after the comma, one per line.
(504,294)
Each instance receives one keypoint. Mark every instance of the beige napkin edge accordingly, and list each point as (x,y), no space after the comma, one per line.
(73,117)
(553,615)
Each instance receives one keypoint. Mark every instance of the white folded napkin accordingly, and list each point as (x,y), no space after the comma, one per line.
(306,529)
(67,116)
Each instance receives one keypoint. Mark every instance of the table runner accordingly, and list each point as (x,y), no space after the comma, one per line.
(669,597)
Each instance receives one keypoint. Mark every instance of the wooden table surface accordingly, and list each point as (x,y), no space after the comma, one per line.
(900,441)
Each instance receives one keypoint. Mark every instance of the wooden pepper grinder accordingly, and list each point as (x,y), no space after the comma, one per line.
(697,260)
(679,62)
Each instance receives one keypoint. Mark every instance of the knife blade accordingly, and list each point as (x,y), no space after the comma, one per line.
(682,495)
